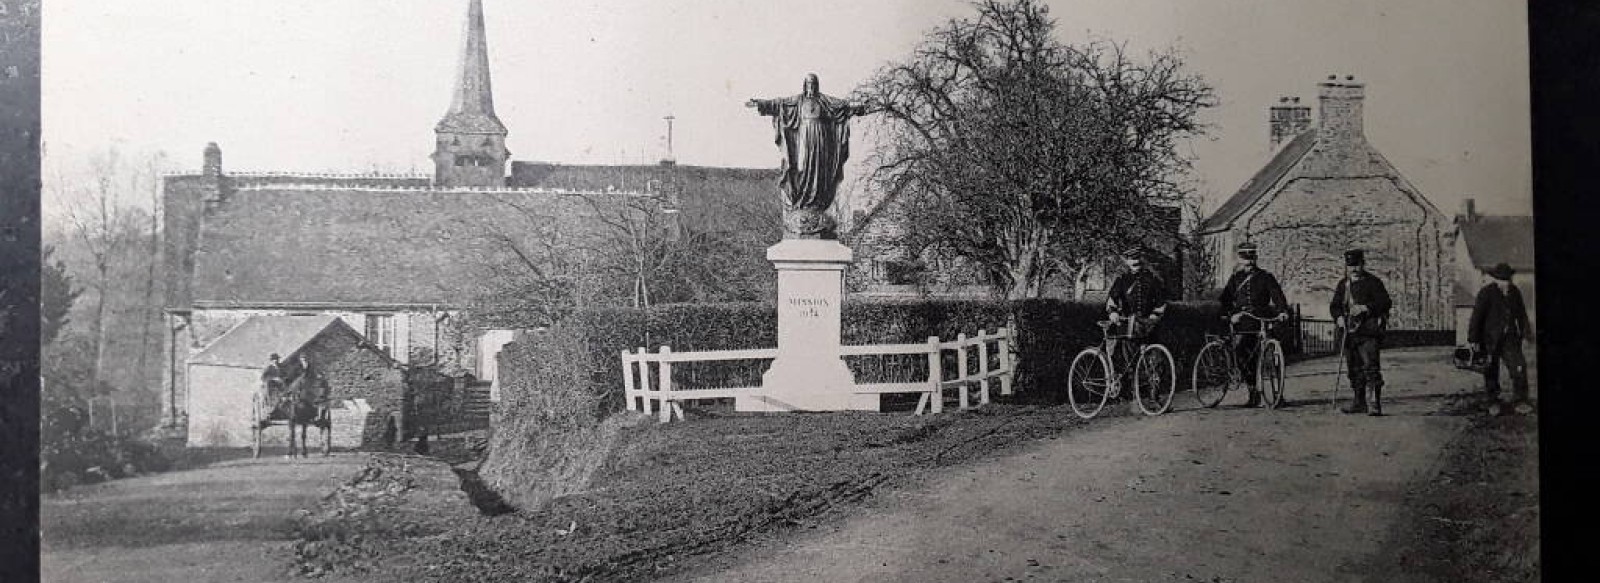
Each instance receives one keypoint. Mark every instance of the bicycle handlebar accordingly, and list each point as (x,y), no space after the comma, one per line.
(1277,318)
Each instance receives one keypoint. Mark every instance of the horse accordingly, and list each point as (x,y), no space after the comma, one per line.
(299,405)
(305,403)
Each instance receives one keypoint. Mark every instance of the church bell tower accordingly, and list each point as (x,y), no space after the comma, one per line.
(470,149)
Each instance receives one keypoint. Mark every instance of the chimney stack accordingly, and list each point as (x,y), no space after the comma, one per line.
(1341,106)
(1287,119)
(211,167)
(1469,211)
(211,173)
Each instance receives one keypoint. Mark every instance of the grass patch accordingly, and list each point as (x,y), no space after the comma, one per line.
(666,493)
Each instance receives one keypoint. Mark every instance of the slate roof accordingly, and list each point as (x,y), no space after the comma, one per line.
(252,342)
(1260,184)
(738,199)
(1499,239)
(390,241)
(280,244)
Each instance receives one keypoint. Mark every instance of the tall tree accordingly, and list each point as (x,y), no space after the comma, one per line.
(1028,156)
(97,216)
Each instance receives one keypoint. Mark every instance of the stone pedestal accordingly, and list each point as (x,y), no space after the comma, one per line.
(808,374)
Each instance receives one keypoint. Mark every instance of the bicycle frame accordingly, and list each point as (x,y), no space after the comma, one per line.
(1264,332)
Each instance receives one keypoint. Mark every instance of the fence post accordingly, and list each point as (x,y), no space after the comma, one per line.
(644,381)
(627,382)
(666,383)
(935,375)
(983,368)
(1006,371)
(961,368)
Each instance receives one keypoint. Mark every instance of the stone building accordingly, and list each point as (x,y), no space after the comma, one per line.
(1327,189)
(1481,242)
(365,387)
(399,258)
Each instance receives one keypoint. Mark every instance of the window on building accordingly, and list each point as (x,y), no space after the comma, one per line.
(380,332)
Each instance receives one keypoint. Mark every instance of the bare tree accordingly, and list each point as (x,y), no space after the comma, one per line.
(148,179)
(1200,261)
(1027,156)
(98,218)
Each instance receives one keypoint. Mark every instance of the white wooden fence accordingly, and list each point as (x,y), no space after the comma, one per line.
(663,398)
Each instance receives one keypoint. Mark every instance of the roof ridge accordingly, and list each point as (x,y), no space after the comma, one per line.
(1260,183)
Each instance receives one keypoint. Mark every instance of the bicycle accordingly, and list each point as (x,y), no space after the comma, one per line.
(1216,369)
(1090,382)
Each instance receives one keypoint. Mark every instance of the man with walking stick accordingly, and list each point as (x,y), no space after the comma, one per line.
(1255,292)
(1361,307)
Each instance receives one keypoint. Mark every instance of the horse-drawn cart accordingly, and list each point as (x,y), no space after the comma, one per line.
(299,405)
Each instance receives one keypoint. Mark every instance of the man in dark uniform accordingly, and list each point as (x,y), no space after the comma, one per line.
(1499,325)
(1138,296)
(1251,290)
(1361,309)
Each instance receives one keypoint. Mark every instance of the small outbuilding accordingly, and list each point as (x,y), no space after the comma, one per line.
(366,385)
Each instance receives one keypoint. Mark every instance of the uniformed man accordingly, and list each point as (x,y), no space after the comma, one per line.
(1498,328)
(1255,292)
(1360,309)
(1138,296)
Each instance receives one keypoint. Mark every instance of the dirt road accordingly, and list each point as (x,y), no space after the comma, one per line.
(1227,495)
(226,522)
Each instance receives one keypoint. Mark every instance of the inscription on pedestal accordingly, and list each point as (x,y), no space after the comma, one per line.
(809,307)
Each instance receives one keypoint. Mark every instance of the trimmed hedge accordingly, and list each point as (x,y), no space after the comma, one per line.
(1048,334)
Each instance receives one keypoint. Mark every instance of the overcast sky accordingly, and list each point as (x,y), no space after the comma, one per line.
(357,85)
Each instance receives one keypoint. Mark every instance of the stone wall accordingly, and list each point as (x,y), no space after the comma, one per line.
(1304,228)
(355,371)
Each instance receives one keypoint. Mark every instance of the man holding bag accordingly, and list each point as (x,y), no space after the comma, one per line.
(1498,328)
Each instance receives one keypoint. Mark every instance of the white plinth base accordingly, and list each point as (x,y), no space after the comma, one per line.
(808,374)
(796,385)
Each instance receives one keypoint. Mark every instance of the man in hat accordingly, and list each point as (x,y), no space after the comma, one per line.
(272,377)
(1138,296)
(1255,292)
(1361,309)
(1498,328)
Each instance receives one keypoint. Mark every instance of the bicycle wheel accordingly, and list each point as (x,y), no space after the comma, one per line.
(1269,373)
(1155,379)
(1089,383)
(1212,377)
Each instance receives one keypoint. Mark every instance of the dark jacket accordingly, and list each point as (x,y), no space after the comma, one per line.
(1497,316)
(1255,292)
(1137,294)
(1366,291)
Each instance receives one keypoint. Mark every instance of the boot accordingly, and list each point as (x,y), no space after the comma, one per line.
(1255,397)
(1377,401)
(1359,405)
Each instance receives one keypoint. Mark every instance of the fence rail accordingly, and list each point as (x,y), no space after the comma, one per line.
(978,362)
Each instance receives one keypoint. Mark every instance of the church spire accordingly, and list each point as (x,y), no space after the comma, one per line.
(470,150)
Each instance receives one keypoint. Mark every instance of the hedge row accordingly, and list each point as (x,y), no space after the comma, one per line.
(1048,334)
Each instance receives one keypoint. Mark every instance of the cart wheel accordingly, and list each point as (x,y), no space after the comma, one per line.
(255,429)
